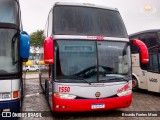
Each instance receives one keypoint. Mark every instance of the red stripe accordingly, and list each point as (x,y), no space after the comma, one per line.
(85,104)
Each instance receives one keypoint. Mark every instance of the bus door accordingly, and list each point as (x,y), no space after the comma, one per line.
(153,76)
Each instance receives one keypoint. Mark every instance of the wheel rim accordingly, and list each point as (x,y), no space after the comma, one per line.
(134,83)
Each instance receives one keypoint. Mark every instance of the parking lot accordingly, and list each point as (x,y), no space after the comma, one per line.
(35,101)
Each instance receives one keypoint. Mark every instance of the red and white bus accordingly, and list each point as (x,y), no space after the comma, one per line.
(87,59)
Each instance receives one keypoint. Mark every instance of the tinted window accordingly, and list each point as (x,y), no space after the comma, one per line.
(134,49)
(153,59)
(73,20)
(150,39)
(153,62)
(8,11)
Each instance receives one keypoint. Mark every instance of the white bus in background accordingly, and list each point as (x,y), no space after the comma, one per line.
(147,76)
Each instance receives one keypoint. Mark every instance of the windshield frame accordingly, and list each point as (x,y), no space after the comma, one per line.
(98,80)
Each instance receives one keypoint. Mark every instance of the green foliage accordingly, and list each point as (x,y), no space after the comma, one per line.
(37,38)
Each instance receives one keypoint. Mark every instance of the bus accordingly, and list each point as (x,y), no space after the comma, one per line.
(147,76)
(87,59)
(14,50)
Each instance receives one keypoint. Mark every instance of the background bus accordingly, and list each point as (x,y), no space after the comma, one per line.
(147,76)
(14,49)
(87,59)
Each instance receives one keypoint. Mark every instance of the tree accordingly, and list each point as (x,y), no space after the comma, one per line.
(37,38)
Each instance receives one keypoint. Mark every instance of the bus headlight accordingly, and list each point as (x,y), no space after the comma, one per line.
(64,96)
(6,95)
(123,93)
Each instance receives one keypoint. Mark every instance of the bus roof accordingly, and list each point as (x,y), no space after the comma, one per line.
(84,4)
(145,31)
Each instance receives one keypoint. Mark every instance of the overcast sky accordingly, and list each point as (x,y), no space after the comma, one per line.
(137,15)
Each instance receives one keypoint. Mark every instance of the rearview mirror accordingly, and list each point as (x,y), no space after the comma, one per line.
(143,50)
(24,46)
(48,51)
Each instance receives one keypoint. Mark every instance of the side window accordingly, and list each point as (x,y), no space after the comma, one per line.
(50,24)
(152,39)
(134,49)
(153,61)
(143,37)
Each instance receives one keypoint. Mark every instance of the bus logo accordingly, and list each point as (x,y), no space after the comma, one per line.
(97,94)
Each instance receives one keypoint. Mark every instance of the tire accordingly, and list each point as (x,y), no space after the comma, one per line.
(27,70)
(37,70)
(47,90)
(134,84)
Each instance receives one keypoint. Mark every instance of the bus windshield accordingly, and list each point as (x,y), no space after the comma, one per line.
(90,60)
(8,11)
(8,51)
(74,20)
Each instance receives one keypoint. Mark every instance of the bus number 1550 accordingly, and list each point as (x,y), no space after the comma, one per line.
(64,89)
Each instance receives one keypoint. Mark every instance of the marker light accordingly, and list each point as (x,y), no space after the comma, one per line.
(15,94)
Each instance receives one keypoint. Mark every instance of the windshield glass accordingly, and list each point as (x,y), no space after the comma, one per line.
(74,20)
(114,60)
(8,11)
(76,61)
(73,57)
(8,51)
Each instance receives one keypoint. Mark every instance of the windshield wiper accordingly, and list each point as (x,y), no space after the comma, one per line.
(117,79)
(76,78)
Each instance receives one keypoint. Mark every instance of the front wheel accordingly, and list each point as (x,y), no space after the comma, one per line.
(134,84)
(47,89)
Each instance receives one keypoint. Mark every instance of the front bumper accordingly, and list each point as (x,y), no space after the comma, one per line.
(85,105)
(13,105)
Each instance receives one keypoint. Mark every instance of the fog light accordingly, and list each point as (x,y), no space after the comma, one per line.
(57,106)
(6,110)
(63,107)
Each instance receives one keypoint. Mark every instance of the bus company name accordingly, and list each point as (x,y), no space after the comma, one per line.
(96,37)
(153,80)
(124,88)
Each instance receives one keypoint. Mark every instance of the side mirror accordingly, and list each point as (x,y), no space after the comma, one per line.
(143,50)
(24,46)
(49,50)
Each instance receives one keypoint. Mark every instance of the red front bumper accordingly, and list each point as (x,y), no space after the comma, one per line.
(65,105)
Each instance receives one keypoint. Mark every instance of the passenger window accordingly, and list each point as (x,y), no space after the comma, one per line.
(134,49)
(152,39)
(143,38)
(153,62)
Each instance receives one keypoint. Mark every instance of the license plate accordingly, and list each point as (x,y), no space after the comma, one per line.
(98,106)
